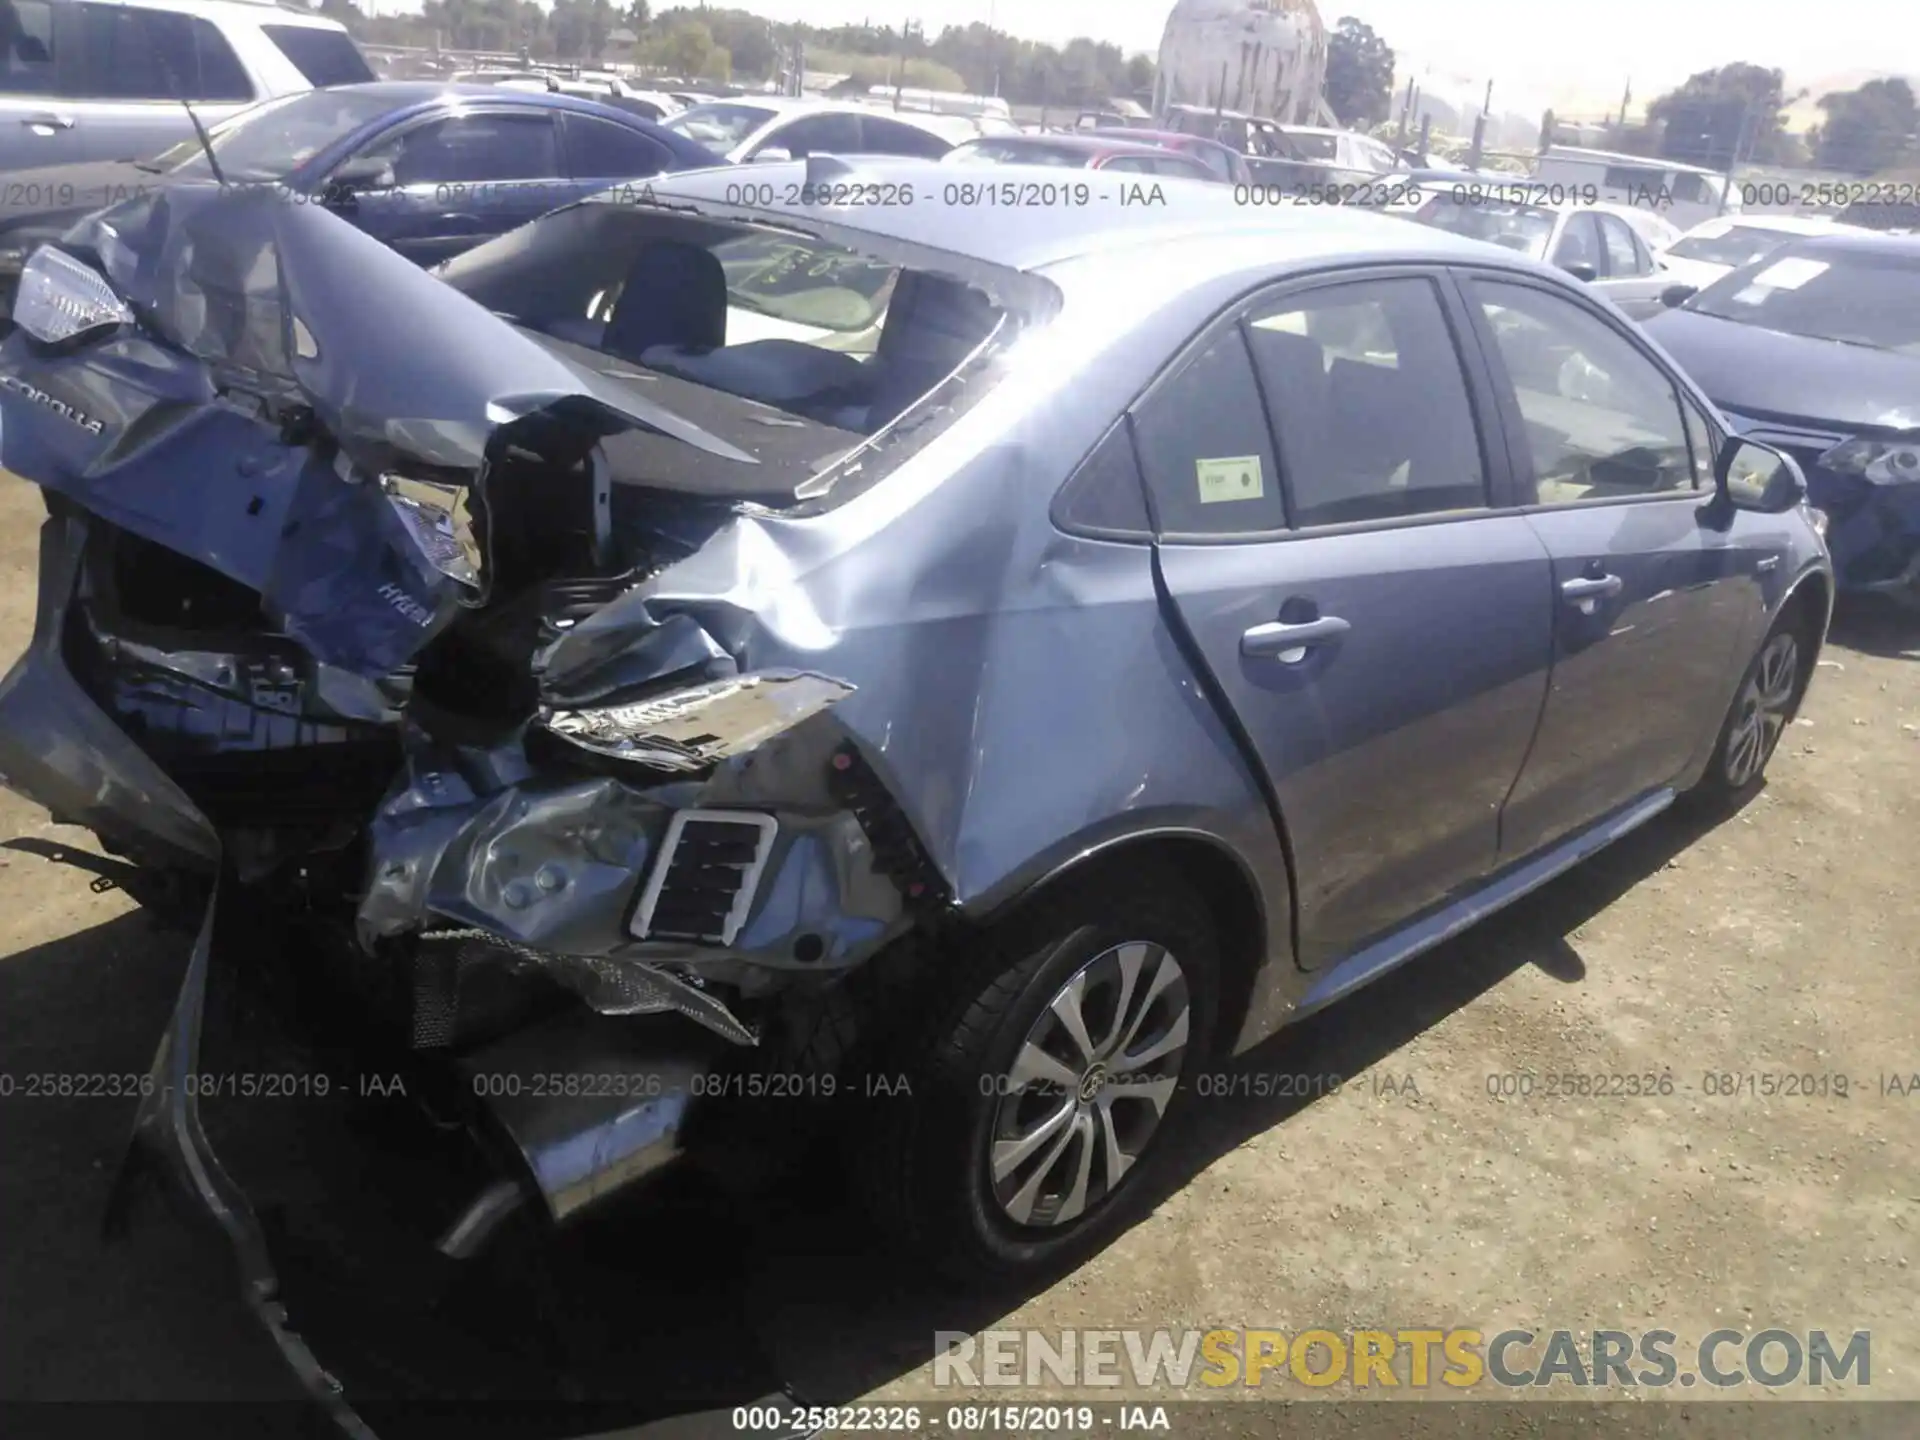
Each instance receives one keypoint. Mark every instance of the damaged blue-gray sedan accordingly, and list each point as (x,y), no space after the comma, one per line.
(1025,651)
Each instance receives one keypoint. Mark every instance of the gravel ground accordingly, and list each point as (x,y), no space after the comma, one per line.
(1782,941)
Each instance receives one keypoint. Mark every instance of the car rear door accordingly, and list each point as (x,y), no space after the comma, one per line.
(1322,474)
(460,179)
(1629,279)
(1652,592)
(602,154)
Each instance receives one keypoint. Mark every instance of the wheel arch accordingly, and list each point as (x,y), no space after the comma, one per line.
(1221,877)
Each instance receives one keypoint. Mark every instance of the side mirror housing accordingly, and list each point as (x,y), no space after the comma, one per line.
(1581,270)
(1758,477)
(1675,296)
(362,172)
(771,155)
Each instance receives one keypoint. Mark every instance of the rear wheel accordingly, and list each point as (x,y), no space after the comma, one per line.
(1046,1080)
(1768,698)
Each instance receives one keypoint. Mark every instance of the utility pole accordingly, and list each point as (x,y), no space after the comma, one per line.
(1733,160)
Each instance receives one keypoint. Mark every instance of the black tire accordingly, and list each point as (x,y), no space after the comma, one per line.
(1737,771)
(923,1156)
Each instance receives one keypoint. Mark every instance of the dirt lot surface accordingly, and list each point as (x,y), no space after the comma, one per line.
(1782,942)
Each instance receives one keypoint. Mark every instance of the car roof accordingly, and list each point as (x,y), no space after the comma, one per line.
(259,12)
(1849,240)
(1029,238)
(420,92)
(1786,224)
(1077,144)
(1165,139)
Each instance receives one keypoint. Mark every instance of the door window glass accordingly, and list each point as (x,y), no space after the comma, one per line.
(26,47)
(1369,401)
(1622,259)
(1601,420)
(818,134)
(1206,450)
(600,149)
(1579,243)
(891,137)
(474,148)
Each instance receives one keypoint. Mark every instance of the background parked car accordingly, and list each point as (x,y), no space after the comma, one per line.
(1595,243)
(778,128)
(1226,163)
(1082,152)
(1712,248)
(81,80)
(431,169)
(1815,348)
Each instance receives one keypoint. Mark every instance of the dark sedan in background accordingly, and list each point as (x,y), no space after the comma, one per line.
(1081,152)
(1815,348)
(431,169)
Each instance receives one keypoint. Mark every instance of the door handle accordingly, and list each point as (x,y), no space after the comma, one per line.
(1592,587)
(1772,562)
(1277,637)
(50,121)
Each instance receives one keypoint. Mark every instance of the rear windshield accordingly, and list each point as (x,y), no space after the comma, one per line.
(1738,245)
(323,57)
(795,349)
(1525,228)
(720,127)
(1858,297)
(1015,152)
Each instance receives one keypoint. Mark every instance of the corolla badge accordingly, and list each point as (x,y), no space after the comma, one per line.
(59,407)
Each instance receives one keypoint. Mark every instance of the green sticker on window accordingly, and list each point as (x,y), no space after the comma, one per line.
(1234,478)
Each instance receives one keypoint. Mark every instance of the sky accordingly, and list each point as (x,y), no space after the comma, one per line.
(1538,53)
(1534,57)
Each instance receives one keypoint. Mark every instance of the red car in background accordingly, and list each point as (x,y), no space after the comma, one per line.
(1226,163)
(1080,152)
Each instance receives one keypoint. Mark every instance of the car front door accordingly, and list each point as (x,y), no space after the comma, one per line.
(1630,279)
(1322,478)
(1654,587)
(459,179)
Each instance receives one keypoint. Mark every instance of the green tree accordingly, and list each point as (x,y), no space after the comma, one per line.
(1718,115)
(1869,129)
(1359,73)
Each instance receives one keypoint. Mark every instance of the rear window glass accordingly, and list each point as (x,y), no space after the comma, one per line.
(323,57)
(797,350)
(132,54)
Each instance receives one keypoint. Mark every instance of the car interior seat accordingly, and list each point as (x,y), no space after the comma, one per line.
(675,295)
(932,325)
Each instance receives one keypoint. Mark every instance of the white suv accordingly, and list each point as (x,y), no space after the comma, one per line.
(84,80)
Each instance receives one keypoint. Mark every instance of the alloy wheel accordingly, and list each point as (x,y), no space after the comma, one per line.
(1760,714)
(1089,1085)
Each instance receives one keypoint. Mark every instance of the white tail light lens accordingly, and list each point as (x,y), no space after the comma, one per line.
(59,298)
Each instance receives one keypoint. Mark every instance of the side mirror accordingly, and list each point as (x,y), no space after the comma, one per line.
(1758,477)
(771,155)
(362,172)
(1675,296)
(1581,270)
